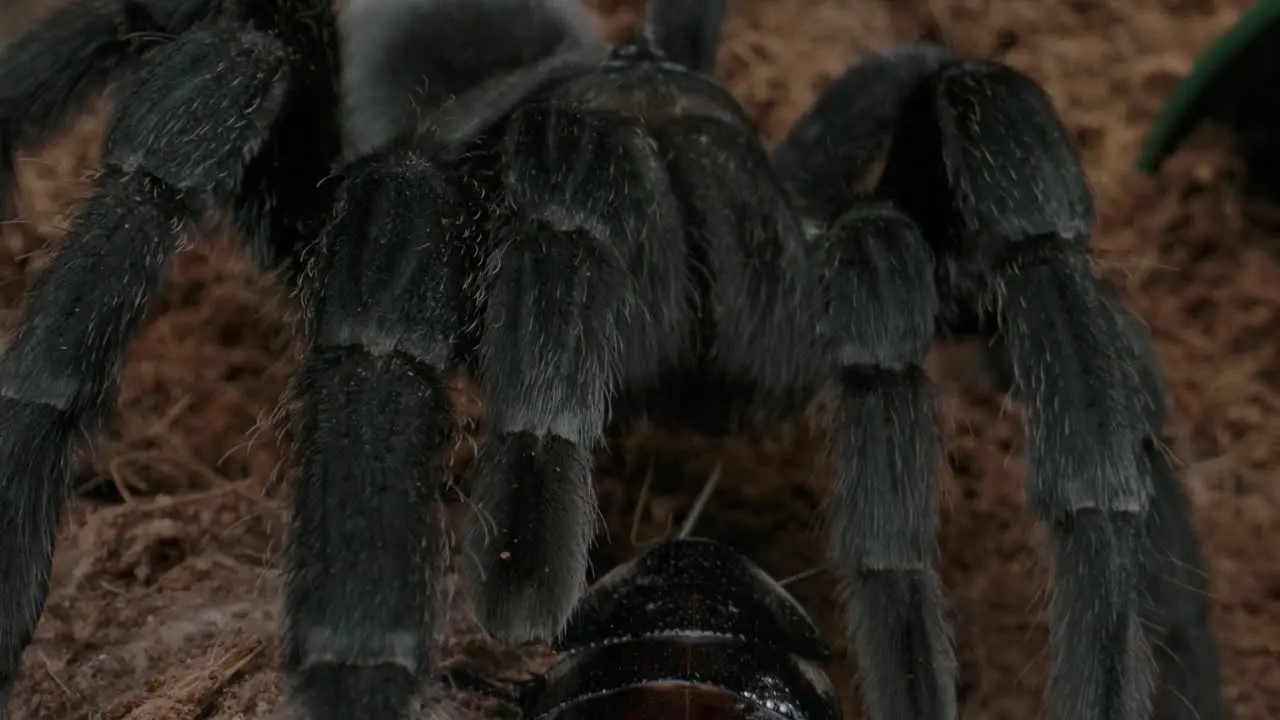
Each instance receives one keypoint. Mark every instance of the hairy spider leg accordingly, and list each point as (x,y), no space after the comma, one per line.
(983,163)
(578,299)
(977,157)
(1176,608)
(53,69)
(175,148)
(385,309)
(627,212)
(881,317)
(884,506)
(1176,603)
(755,274)
(687,31)
(835,146)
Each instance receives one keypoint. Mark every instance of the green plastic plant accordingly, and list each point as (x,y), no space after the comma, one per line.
(1236,81)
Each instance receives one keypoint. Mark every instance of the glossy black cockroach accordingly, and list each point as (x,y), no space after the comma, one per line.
(690,629)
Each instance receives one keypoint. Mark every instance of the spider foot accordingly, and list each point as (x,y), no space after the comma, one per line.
(530,564)
(342,692)
(1096,593)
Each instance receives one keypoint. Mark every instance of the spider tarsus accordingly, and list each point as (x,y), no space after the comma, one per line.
(906,665)
(535,507)
(1176,603)
(1098,575)
(344,692)
(34,485)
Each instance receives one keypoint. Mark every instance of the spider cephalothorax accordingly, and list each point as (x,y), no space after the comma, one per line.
(578,223)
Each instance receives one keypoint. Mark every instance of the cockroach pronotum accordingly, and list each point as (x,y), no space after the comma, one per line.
(688,630)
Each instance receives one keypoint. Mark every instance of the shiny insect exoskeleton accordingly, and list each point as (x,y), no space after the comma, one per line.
(688,630)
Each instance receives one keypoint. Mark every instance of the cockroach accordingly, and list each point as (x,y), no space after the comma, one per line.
(690,629)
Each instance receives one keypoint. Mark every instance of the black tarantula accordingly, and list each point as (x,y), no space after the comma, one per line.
(581,223)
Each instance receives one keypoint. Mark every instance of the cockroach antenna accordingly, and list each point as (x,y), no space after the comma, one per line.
(801,576)
(641,503)
(700,504)
(690,522)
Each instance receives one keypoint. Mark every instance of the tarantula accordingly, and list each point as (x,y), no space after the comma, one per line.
(583,224)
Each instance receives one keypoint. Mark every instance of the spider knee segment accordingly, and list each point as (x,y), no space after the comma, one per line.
(390,271)
(742,232)
(884,305)
(989,165)
(564,168)
(50,72)
(131,224)
(199,110)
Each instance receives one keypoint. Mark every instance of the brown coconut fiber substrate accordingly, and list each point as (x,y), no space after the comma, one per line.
(166,579)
